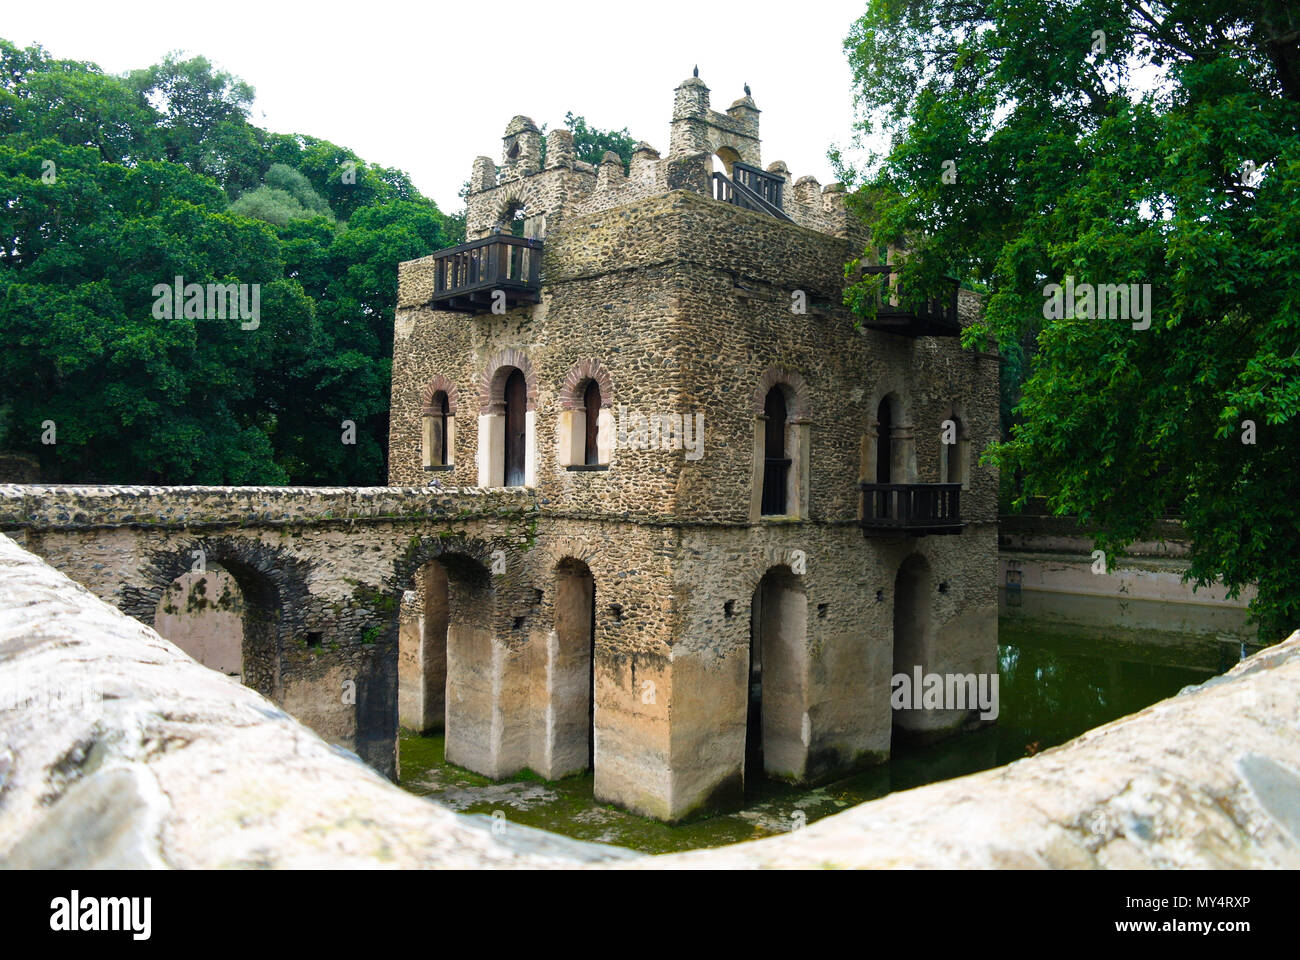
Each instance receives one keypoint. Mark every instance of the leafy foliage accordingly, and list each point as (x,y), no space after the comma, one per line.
(1131,160)
(111,186)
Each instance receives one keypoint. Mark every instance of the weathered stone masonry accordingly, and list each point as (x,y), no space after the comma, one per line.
(678,305)
(620,605)
(322,570)
(178,766)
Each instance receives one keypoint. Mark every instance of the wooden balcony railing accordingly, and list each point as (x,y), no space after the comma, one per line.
(752,189)
(466,277)
(767,185)
(898,313)
(911,509)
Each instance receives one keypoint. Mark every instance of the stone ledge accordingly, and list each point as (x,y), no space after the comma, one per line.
(178,766)
(45,506)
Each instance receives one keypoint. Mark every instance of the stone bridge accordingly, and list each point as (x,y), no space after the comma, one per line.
(178,766)
(317,576)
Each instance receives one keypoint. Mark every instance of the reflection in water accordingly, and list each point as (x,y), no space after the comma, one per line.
(1054,686)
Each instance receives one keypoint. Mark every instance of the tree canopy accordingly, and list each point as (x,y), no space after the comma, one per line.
(112,186)
(1153,143)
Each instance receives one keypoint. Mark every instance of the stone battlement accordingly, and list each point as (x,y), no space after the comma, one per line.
(544,187)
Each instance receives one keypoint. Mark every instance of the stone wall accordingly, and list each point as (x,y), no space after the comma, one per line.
(680,306)
(686,303)
(565,187)
(118,751)
(321,573)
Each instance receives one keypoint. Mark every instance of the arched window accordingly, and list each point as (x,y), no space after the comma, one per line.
(884,442)
(585,427)
(776,465)
(438,425)
(514,219)
(782,447)
(591,403)
(516,429)
(437,453)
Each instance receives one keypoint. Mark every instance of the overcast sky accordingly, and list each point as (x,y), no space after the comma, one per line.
(427,87)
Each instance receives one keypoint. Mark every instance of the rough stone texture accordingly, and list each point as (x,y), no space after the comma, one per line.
(321,573)
(177,766)
(1209,779)
(678,304)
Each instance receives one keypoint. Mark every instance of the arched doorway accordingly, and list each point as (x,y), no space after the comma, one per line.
(422,652)
(516,428)
(912,598)
(774,732)
(571,700)
(723,160)
(203,614)
(472,691)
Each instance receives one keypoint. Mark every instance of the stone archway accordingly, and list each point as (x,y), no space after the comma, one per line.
(275,597)
(203,614)
(776,726)
(475,703)
(912,599)
(422,652)
(570,741)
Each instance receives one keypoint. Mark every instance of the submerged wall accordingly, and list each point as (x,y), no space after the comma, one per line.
(1048,572)
(117,750)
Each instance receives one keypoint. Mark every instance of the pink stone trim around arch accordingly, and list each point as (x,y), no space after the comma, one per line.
(436,385)
(580,373)
(797,388)
(492,384)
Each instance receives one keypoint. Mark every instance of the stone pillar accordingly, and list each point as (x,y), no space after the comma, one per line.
(689,132)
(559,148)
(484,175)
(492,448)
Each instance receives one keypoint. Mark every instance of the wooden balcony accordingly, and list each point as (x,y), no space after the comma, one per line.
(908,317)
(911,509)
(466,277)
(751,188)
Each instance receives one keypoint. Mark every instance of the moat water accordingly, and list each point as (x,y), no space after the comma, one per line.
(1056,682)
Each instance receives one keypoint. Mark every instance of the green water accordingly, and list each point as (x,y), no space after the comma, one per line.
(1055,684)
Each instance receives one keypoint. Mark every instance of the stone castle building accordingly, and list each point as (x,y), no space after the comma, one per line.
(752,512)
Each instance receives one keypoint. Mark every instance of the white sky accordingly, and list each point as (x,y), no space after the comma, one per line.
(427,87)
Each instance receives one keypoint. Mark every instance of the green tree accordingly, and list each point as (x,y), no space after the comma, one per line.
(1116,142)
(203,119)
(285,195)
(111,186)
(590,143)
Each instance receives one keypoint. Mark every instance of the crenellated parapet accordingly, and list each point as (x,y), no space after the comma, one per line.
(533,189)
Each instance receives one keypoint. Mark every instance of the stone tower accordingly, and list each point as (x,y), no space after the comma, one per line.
(750,518)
